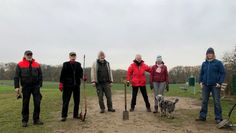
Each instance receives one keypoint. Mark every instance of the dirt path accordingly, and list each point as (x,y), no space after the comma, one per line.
(140,120)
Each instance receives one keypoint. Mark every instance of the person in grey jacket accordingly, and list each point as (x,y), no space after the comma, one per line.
(101,77)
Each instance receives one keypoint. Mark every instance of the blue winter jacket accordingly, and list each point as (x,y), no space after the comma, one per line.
(212,72)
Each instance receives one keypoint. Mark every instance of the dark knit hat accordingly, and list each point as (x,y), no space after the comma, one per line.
(72,54)
(210,51)
(28,52)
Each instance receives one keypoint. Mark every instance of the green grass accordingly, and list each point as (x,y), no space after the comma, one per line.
(10,108)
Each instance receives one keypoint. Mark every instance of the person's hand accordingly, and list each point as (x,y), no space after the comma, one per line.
(167,87)
(85,78)
(61,87)
(110,84)
(17,90)
(18,93)
(218,85)
(94,84)
(127,83)
(201,85)
(151,86)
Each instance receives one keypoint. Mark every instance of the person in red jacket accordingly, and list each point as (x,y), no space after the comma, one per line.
(158,80)
(136,75)
(29,77)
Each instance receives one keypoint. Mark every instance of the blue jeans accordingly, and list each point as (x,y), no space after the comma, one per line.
(159,89)
(216,98)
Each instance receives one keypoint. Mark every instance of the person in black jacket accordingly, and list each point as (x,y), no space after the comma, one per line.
(70,80)
(28,75)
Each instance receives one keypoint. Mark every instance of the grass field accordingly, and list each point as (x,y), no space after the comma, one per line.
(10,108)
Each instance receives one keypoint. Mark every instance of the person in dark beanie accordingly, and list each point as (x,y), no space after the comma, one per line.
(212,75)
(28,75)
(70,80)
(158,80)
(102,78)
(136,75)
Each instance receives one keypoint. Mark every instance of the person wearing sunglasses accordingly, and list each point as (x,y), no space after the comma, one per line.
(28,76)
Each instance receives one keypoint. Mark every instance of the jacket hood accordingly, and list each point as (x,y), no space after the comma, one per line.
(138,63)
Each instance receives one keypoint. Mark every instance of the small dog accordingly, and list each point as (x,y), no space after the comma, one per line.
(167,107)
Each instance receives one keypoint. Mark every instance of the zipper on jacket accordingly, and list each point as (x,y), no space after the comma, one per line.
(73,69)
(208,69)
(30,71)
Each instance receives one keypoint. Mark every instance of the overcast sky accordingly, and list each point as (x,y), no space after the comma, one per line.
(179,30)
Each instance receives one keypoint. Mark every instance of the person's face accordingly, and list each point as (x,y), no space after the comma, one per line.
(138,58)
(210,56)
(72,58)
(29,57)
(102,56)
(159,62)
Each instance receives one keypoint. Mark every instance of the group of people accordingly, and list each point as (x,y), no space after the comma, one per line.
(29,77)
(137,78)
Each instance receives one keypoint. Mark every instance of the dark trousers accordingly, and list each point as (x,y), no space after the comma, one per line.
(27,91)
(206,90)
(134,96)
(104,88)
(66,95)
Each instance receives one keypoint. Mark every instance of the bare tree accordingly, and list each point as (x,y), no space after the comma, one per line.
(229,60)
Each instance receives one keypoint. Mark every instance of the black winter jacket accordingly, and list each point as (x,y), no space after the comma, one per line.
(28,74)
(71,74)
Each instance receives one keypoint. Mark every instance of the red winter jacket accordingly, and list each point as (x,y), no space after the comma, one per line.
(136,73)
(28,74)
(159,77)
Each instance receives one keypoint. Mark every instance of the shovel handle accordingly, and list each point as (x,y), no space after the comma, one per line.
(232,110)
(125,96)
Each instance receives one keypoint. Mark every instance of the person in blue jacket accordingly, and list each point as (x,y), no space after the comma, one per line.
(212,75)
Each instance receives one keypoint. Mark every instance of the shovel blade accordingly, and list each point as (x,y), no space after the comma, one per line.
(125,115)
(222,124)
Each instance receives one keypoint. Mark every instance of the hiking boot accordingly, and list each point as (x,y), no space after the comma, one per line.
(200,119)
(102,111)
(38,122)
(218,121)
(24,124)
(131,110)
(155,110)
(63,119)
(111,110)
(76,117)
(149,110)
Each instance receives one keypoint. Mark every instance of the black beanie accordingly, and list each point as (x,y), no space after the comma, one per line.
(210,51)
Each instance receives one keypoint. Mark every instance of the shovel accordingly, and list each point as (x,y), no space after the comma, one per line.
(227,122)
(125,113)
(83,115)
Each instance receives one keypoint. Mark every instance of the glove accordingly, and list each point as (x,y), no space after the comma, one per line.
(218,85)
(151,86)
(85,78)
(61,87)
(167,87)
(127,83)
